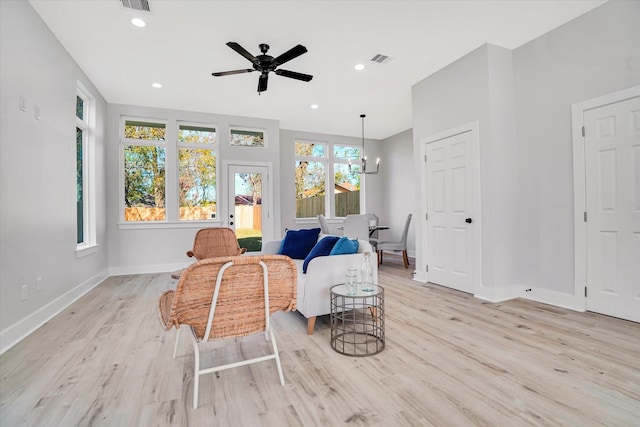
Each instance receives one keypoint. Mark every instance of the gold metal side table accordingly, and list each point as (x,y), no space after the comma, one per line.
(357,321)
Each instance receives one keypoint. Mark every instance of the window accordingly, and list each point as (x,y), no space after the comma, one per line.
(144,152)
(247,137)
(315,182)
(81,142)
(310,179)
(85,197)
(346,184)
(197,172)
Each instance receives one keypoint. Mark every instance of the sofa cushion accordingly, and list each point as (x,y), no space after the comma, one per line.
(298,243)
(322,248)
(345,246)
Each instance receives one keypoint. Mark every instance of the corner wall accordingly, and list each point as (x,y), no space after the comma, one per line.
(477,87)
(399,189)
(595,54)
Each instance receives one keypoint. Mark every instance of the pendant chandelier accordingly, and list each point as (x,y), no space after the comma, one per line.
(363,166)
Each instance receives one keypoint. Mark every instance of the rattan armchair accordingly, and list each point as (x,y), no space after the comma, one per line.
(229,297)
(215,242)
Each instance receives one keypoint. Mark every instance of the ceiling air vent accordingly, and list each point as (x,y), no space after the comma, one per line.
(379,58)
(140,5)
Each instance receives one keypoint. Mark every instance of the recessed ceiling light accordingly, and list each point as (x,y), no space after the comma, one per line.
(314,106)
(138,22)
(157,85)
(359,67)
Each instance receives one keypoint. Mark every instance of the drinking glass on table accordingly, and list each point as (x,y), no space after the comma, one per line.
(351,279)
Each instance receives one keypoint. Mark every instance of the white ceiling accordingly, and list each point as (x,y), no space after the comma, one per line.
(184,42)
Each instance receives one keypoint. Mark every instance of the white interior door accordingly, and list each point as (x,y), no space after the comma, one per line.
(249,205)
(449,218)
(612,157)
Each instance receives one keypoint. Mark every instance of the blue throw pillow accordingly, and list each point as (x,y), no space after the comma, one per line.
(298,243)
(345,246)
(322,248)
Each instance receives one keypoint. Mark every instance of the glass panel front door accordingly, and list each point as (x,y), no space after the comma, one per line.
(246,205)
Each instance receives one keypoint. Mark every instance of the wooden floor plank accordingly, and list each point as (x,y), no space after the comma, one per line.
(450,359)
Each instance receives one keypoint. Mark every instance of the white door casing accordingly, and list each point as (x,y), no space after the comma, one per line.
(452,201)
(232,168)
(612,158)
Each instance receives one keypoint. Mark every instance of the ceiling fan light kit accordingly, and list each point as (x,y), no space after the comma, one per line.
(266,63)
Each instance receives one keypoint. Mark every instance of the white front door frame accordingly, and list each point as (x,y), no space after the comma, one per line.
(579,185)
(268,231)
(474,128)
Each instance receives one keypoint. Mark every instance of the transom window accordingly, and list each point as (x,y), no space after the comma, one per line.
(247,137)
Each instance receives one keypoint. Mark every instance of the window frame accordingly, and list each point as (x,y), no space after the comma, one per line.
(86,125)
(215,147)
(124,142)
(344,161)
(329,161)
(324,159)
(265,138)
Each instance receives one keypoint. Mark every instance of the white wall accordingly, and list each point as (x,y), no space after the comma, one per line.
(372,184)
(38,175)
(399,188)
(595,54)
(152,247)
(522,100)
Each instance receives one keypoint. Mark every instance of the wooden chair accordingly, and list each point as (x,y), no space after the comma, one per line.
(229,297)
(215,242)
(396,246)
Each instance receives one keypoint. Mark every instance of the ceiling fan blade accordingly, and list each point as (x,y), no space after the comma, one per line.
(242,51)
(292,53)
(294,75)
(262,82)
(228,73)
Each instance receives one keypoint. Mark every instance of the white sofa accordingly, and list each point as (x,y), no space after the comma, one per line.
(322,273)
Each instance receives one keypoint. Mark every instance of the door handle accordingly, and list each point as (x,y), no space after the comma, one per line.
(468,220)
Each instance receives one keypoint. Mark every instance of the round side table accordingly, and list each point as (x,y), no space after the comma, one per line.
(357,321)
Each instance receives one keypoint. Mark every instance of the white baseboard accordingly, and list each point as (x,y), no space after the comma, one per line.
(559,299)
(498,294)
(147,269)
(23,328)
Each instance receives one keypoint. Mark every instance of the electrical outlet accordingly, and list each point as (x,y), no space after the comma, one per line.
(39,283)
(25,292)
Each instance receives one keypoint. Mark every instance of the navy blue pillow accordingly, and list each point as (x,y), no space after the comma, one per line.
(298,243)
(322,248)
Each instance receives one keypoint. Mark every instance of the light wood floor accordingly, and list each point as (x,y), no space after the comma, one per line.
(450,360)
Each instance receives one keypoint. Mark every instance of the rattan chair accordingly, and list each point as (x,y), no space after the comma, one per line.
(230,297)
(215,242)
